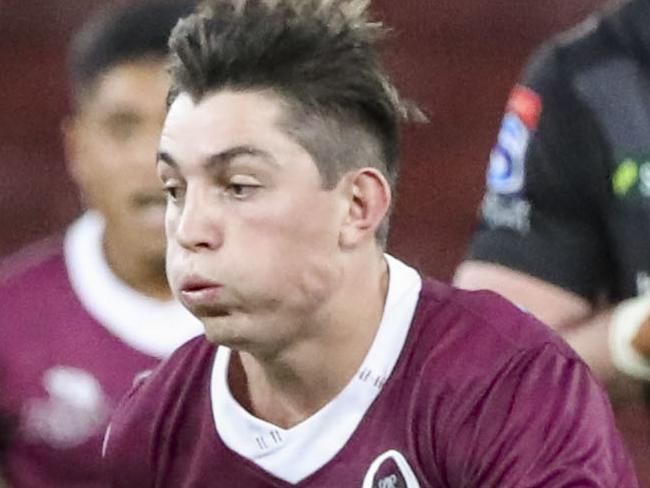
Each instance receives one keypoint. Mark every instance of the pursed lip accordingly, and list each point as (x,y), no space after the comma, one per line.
(196,291)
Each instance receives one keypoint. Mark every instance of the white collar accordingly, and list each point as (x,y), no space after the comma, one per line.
(151,326)
(316,440)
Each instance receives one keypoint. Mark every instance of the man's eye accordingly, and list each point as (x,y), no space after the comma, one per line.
(242,190)
(122,132)
(122,127)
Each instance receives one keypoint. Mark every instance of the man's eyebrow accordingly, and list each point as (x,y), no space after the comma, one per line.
(122,113)
(223,157)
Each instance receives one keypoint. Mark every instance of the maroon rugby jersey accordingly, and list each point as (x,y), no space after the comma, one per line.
(64,362)
(479,395)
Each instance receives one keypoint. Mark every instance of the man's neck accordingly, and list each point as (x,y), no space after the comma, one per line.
(146,275)
(297,382)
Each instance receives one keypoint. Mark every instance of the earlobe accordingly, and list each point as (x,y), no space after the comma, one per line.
(369,198)
(70,137)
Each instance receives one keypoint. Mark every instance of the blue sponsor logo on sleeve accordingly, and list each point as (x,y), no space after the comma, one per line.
(505,174)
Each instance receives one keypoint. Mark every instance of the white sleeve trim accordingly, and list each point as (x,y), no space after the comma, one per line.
(153,327)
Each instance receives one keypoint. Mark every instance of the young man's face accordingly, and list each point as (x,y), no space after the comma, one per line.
(111,146)
(253,238)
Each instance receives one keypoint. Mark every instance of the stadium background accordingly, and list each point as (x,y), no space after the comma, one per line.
(457,58)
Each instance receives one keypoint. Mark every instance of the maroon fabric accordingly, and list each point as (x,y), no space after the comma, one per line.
(633,420)
(482,396)
(46,333)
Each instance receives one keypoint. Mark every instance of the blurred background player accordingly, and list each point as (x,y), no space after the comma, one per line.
(565,222)
(85,313)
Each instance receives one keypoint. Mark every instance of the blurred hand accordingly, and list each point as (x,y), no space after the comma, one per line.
(641,341)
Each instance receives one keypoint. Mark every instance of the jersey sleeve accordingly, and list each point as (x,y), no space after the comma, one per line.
(143,441)
(127,441)
(541,213)
(542,422)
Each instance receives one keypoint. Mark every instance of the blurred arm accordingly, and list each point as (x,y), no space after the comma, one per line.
(568,313)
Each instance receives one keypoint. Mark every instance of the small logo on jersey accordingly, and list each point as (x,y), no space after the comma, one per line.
(526,104)
(506,173)
(631,178)
(140,377)
(75,409)
(625,177)
(642,283)
(390,470)
(506,212)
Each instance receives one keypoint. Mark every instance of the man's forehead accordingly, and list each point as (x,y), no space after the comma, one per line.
(226,125)
(127,80)
(240,117)
(182,103)
(228,104)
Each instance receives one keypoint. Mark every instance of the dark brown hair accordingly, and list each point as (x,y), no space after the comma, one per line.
(320,56)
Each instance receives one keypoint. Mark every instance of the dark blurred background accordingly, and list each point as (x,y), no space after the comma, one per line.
(457,58)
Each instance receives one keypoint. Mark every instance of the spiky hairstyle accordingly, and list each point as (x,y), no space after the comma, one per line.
(319,55)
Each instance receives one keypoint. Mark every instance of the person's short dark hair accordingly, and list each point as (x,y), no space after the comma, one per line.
(116,35)
(320,56)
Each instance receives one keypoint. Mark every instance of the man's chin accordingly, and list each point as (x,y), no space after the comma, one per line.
(223,330)
(221,337)
(210,313)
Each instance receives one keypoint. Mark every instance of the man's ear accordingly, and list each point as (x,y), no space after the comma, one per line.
(369,199)
(72,148)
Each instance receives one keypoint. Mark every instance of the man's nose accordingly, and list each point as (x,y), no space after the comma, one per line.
(201,222)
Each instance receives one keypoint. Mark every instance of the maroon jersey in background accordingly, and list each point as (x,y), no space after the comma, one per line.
(72,339)
(459,389)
